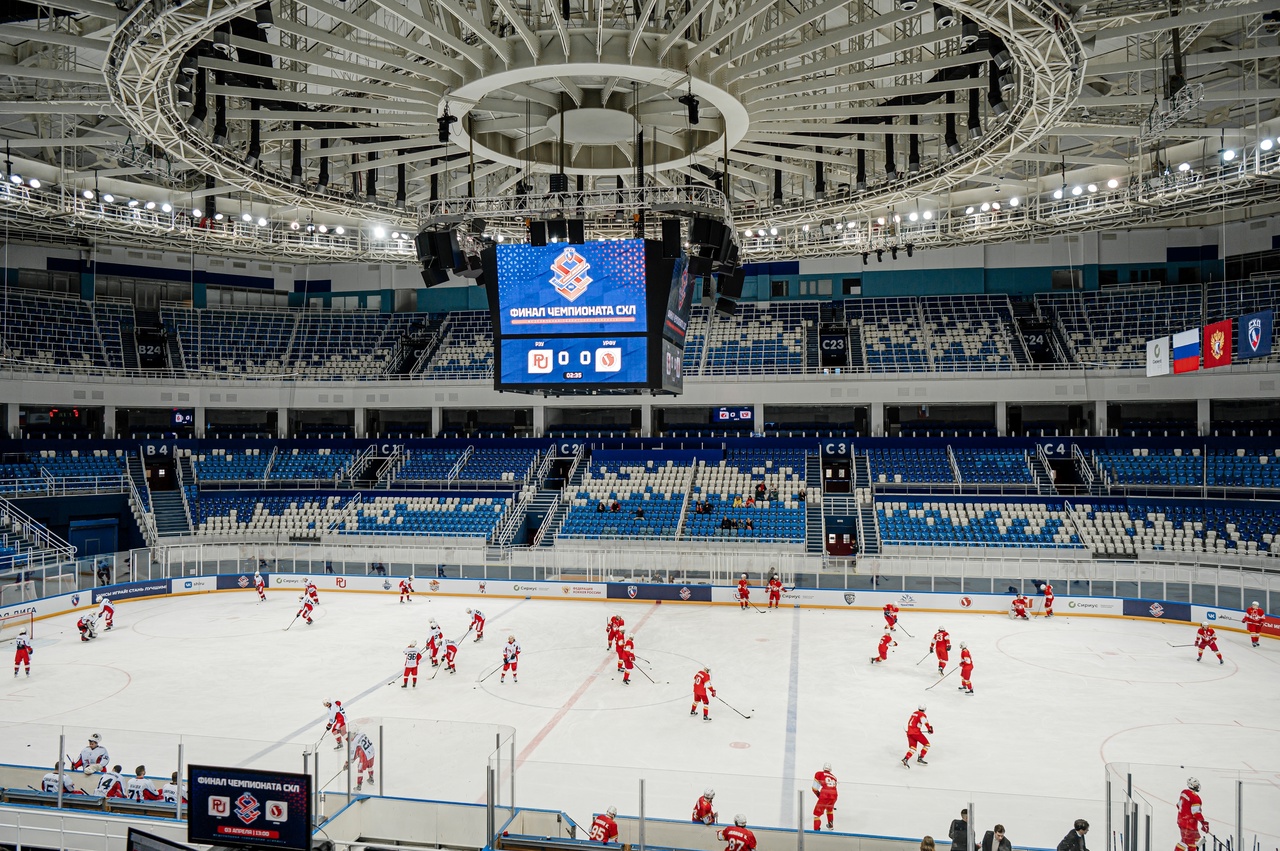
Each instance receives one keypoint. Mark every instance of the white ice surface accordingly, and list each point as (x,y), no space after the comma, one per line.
(1055,701)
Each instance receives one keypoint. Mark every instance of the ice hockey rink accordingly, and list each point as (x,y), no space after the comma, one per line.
(1056,700)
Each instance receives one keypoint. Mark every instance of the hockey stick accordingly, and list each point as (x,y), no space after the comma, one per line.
(754,606)
(926,655)
(295,620)
(726,703)
(904,631)
(334,777)
(490,674)
(941,678)
(646,674)
(1192,644)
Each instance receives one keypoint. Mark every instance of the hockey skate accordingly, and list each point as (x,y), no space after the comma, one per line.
(404,685)
(706,717)
(920,761)
(691,711)
(906,761)
(338,746)
(514,678)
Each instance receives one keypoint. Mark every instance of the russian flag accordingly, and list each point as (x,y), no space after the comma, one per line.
(1186,351)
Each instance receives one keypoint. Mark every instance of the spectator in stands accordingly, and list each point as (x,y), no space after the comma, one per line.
(640,512)
(440,571)
(750,503)
(615,507)
(726,522)
(600,509)
(737,501)
(927,844)
(749,525)
(803,495)
(104,571)
(959,832)
(995,840)
(760,490)
(1074,841)
(773,494)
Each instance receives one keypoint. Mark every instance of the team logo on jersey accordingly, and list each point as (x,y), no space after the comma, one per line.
(247,808)
(849,598)
(906,600)
(433,585)
(341,582)
(685,593)
(632,591)
(965,602)
(1156,610)
(569,274)
(243,582)
(482,584)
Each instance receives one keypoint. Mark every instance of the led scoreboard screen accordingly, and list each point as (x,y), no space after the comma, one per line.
(580,317)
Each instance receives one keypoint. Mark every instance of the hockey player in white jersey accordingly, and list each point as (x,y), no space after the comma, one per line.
(362,751)
(337,721)
(171,790)
(139,787)
(106,611)
(111,784)
(93,757)
(49,783)
(435,641)
(510,655)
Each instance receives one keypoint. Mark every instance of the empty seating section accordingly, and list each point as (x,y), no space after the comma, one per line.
(1233,299)
(77,464)
(1242,469)
(249,342)
(50,331)
(428,464)
(1142,466)
(757,492)
(309,464)
(223,465)
(918,464)
(657,491)
(970,332)
(452,516)
(498,465)
(222,513)
(760,339)
(1112,326)
(993,466)
(112,320)
(695,339)
(466,347)
(1125,528)
(893,338)
(971,523)
(346,345)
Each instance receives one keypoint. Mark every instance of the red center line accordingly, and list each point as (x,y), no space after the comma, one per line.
(568,704)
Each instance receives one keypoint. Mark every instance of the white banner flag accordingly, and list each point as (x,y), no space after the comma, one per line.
(1158,362)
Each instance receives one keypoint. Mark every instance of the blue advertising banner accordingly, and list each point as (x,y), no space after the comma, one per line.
(637,591)
(596,288)
(241,580)
(1161,609)
(129,590)
(1254,335)
(620,360)
(250,809)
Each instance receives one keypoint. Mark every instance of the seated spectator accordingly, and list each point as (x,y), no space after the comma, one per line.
(737,502)
(616,507)
(773,494)
(640,512)
(760,490)
(995,840)
(749,525)
(802,494)
(600,509)
(726,522)
(751,502)
(927,844)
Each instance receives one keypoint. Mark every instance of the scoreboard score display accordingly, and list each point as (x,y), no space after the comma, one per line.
(581,317)
(249,808)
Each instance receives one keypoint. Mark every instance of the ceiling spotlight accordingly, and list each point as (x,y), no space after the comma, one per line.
(943,17)
(906,5)
(1266,144)
(262,221)
(340,230)
(196,213)
(995,205)
(88,193)
(222,41)
(246,217)
(185,96)
(879,255)
(34,183)
(1228,154)
(896,218)
(691,103)
(1013,202)
(189,65)
(295,226)
(379,232)
(913,216)
(748,233)
(263,16)
(986,206)
(1076,190)
(395,234)
(1184,167)
(1093,187)
(1000,54)
(217,217)
(928,214)
(1057,194)
(968,211)
(133,202)
(968,32)
(1112,183)
(108,198)
(324,229)
(166,207)
(151,205)
(311,228)
(773,231)
(880,221)
(996,101)
(839,225)
(760,232)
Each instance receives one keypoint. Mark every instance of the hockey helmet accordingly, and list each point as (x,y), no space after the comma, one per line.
(94,738)
(942,629)
(826,766)
(511,639)
(1193,784)
(410,577)
(328,703)
(1042,587)
(1254,604)
(22,634)
(744,576)
(432,623)
(740,820)
(413,644)
(708,793)
(469,611)
(963,645)
(1204,624)
(611,812)
(922,707)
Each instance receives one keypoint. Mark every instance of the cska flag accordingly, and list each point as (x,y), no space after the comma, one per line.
(1217,344)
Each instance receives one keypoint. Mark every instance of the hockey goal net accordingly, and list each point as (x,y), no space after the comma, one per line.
(12,624)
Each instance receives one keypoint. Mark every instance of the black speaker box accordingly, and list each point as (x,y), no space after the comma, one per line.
(700,231)
(731,284)
(726,306)
(557,230)
(446,254)
(537,234)
(577,231)
(699,266)
(671,239)
(422,242)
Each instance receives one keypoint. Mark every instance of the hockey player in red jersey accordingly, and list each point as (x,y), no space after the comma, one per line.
(312,593)
(435,641)
(890,616)
(510,655)
(1047,590)
(1020,607)
(260,585)
(1190,820)
(1207,637)
(703,810)
(701,688)
(941,645)
(775,592)
(305,611)
(613,631)
(627,656)
(337,721)
(477,622)
(406,589)
(1253,619)
(411,658)
(916,726)
(450,649)
(966,669)
(737,836)
(824,786)
(88,627)
(604,828)
(106,610)
(22,655)
(744,593)
(886,641)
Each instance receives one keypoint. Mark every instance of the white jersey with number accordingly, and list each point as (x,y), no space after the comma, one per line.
(510,651)
(106,609)
(109,781)
(170,792)
(361,742)
(50,783)
(93,756)
(337,715)
(437,636)
(411,657)
(140,789)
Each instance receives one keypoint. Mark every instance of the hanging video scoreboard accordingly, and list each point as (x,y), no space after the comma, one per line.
(585,317)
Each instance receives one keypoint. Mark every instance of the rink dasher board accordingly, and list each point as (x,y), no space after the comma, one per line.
(930,602)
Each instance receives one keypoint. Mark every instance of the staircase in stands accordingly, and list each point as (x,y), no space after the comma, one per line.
(171,517)
(868,532)
(814,532)
(551,525)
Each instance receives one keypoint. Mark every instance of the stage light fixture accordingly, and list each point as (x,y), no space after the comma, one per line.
(217,217)
(108,198)
(691,104)
(151,205)
(943,17)
(246,217)
(442,125)
(88,193)
(968,32)
(294,225)
(928,214)
(879,255)
(340,230)
(907,5)
(1076,190)
(196,213)
(1184,167)
(262,221)
(166,207)
(1057,194)
(911,249)
(1227,154)
(1013,202)
(1266,144)
(34,183)
(1092,187)
(913,216)
(995,206)
(968,211)
(1112,183)
(379,232)
(263,16)
(986,206)
(773,231)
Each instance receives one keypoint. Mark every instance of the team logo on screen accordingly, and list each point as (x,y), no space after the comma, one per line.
(541,361)
(608,359)
(247,808)
(1255,333)
(569,274)
(1156,610)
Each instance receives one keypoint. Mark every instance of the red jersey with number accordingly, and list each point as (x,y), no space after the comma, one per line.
(604,829)
(738,838)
